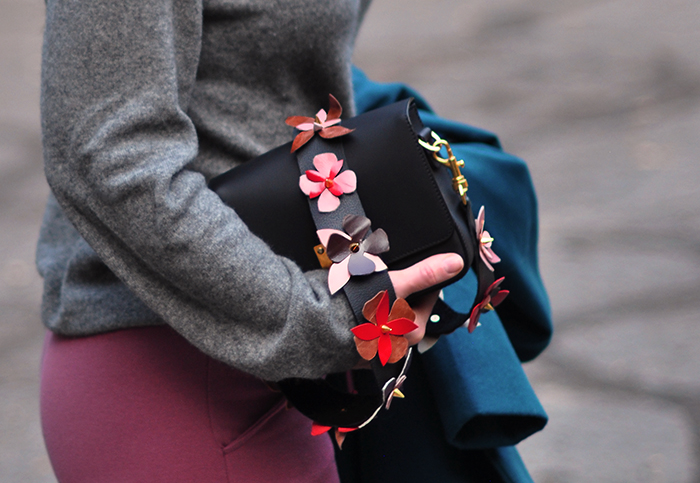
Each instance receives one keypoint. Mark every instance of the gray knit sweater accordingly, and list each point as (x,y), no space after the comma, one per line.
(143,101)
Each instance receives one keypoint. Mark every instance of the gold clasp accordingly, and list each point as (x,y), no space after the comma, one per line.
(459,182)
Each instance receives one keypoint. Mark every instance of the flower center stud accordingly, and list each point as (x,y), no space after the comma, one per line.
(386,328)
(355,247)
(329,183)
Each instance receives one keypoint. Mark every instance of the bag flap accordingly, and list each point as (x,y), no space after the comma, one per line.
(395,183)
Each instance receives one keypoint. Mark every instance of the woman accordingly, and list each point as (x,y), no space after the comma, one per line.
(166,313)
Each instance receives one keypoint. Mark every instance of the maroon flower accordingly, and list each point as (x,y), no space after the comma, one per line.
(494,296)
(324,124)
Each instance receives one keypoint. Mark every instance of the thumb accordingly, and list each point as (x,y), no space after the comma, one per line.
(426,273)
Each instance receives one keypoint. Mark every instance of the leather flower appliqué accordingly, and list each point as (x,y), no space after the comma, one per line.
(384,333)
(324,124)
(339,433)
(351,253)
(327,183)
(393,386)
(485,241)
(494,296)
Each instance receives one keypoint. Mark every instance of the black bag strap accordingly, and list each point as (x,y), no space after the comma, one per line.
(358,289)
(334,401)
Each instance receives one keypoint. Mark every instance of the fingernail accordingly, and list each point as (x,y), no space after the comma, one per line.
(453,264)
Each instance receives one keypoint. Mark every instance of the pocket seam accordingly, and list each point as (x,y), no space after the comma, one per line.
(255,428)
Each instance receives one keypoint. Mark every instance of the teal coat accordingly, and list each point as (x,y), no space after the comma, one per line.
(468,401)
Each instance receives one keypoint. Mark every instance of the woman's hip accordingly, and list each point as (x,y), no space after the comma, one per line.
(145,405)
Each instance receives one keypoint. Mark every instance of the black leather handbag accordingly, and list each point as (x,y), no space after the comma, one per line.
(405,188)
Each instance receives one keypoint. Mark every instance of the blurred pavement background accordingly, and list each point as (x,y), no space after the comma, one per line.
(602,98)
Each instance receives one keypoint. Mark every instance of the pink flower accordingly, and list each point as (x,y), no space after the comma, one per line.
(324,124)
(384,334)
(393,386)
(325,183)
(485,241)
(396,392)
(494,296)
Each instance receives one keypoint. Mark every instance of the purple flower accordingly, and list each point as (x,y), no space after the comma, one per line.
(351,253)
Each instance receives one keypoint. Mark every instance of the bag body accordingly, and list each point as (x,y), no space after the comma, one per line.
(402,190)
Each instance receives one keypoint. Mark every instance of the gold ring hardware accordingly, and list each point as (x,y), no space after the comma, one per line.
(459,182)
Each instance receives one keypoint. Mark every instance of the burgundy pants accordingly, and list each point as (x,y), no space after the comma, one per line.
(143,405)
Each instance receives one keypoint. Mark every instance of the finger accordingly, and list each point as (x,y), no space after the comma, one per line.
(426,273)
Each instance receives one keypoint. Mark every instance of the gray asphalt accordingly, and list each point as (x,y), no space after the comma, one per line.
(602,98)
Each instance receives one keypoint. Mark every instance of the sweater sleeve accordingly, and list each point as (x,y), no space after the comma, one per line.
(116,81)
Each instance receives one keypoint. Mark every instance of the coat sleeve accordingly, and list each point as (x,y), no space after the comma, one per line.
(116,81)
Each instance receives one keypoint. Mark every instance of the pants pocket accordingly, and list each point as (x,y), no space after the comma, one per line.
(256,428)
(279,447)
(237,402)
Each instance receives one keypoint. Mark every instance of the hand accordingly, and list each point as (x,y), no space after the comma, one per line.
(420,276)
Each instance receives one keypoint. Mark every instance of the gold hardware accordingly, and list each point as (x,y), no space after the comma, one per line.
(386,328)
(398,394)
(459,182)
(488,307)
(322,256)
(355,247)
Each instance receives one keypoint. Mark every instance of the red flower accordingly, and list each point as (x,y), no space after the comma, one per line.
(384,335)
(324,123)
(493,298)
(317,429)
